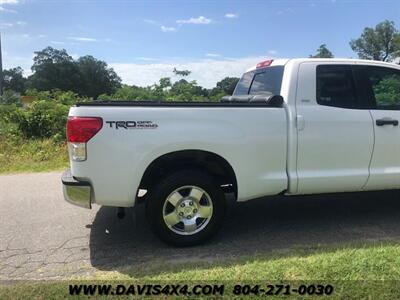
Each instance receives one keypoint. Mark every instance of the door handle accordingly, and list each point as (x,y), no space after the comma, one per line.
(384,121)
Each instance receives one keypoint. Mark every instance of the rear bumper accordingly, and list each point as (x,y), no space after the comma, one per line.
(76,192)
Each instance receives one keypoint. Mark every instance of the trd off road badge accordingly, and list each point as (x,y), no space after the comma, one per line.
(132,124)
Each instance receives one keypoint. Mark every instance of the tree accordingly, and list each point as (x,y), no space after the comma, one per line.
(182,72)
(379,43)
(186,91)
(165,82)
(387,90)
(88,76)
(14,80)
(323,52)
(96,77)
(228,84)
(54,69)
(396,43)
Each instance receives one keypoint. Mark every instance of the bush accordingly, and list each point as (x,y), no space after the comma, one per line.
(8,113)
(43,119)
(10,97)
(66,98)
(131,93)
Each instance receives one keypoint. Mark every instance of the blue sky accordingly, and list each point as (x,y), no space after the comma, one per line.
(145,40)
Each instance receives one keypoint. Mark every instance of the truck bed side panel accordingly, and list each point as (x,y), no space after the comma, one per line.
(252,139)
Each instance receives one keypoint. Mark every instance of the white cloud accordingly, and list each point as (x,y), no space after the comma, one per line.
(25,62)
(207,72)
(87,39)
(213,55)
(144,58)
(285,11)
(82,39)
(5,25)
(22,40)
(167,29)
(231,15)
(8,25)
(149,21)
(272,52)
(162,27)
(57,42)
(199,21)
(9,1)
(2,9)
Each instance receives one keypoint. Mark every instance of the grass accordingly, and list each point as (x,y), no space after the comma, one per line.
(355,271)
(31,155)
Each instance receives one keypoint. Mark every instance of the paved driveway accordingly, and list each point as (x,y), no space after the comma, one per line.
(41,236)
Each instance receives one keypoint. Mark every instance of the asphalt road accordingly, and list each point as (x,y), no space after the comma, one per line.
(42,237)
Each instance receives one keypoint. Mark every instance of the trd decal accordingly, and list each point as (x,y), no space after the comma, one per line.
(132,124)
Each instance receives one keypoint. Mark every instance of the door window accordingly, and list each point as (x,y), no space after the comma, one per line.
(384,87)
(335,86)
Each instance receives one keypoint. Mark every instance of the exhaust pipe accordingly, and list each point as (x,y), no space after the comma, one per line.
(121,212)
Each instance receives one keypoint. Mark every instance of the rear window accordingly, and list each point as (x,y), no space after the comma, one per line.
(262,81)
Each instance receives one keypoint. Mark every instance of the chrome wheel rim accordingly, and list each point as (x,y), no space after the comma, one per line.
(187,210)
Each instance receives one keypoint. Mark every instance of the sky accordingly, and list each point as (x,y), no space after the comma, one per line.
(144,40)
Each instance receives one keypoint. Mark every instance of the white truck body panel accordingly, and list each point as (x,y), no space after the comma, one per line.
(237,134)
(329,140)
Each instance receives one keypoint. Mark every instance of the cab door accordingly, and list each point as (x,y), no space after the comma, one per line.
(381,86)
(335,134)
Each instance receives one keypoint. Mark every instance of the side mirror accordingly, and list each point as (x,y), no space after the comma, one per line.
(271,100)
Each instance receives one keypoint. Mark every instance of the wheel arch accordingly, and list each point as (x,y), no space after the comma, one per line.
(186,159)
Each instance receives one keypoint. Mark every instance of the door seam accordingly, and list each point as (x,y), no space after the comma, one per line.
(373,150)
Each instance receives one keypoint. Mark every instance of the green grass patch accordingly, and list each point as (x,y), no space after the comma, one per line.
(355,271)
(31,155)
(356,262)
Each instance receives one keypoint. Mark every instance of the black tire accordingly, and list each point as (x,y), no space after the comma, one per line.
(160,192)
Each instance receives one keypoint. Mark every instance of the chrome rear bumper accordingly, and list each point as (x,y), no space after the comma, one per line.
(76,192)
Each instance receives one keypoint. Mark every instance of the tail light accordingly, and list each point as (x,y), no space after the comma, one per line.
(79,131)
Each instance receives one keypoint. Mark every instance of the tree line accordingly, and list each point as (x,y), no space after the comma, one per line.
(55,69)
(87,76)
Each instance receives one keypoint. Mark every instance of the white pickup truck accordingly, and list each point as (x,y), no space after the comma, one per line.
(292,126)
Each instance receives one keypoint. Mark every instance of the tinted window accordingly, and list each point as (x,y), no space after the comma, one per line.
(267,80)
(335,86)
(384,85)
(243,86)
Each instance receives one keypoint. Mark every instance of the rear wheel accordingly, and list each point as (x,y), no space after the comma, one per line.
(186,208)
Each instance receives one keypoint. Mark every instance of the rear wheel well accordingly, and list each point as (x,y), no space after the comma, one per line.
(209,162)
